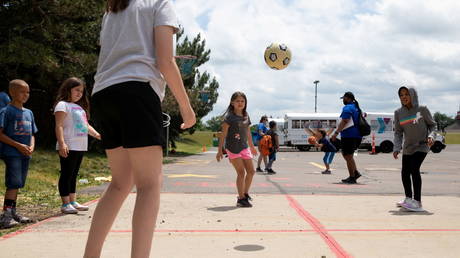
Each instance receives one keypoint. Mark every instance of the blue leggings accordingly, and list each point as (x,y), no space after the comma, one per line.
(328,157)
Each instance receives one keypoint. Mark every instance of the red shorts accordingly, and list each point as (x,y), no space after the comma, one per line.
(244,154)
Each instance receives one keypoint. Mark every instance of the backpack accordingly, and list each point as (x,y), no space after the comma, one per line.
(265,144)
(363,126)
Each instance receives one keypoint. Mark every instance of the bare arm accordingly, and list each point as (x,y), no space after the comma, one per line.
(329,131)
(340,127)
(222,137)
(93,132)
(168,67)
(59,129)
(22,148)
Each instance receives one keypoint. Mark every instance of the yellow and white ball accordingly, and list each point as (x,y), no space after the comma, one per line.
(277,56)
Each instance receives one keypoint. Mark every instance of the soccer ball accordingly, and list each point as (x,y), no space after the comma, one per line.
(277,56)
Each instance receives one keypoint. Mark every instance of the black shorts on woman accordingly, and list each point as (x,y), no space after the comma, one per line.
(128,115)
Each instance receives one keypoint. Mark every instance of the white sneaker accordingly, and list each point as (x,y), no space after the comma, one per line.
(68,209)
(399,204)
(413,205)
(79,207)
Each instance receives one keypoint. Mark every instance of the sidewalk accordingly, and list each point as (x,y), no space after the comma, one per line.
(209,225)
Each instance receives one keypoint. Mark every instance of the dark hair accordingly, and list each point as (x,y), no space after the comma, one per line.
(115,6)
(402,88)
(65,95)
(263,118)
(322,132)
(272,124)
(230,107)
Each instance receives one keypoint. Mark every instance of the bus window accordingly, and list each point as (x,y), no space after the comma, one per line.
(296,124)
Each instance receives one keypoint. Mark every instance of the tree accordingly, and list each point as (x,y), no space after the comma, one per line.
(442,120)
(214,124)
(201,88)
(45,42)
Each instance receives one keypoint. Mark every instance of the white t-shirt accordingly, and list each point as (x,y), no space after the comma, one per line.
(75,126)
(128,44)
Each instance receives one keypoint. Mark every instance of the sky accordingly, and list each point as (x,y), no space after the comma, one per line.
(370,48)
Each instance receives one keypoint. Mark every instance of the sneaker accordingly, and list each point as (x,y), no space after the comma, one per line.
(357,175)
(326,172)
(413,205)
(349,180)
(21,219)
(68,209)
(248,197)
(270,171)
(79,207)
(243,203)
(258,169)
(399,204)
(7,220)
(266,170)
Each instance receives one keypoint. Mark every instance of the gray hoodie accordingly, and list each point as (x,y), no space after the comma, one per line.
(415,124)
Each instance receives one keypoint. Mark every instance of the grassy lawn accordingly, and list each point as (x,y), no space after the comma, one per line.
(453,138)
(40,199)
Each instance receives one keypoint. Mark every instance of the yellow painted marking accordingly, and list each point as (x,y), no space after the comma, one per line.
(189,175)
(317,165)
(192,162)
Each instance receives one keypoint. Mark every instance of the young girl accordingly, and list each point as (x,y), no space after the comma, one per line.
(322,141)
(135,64)
(239,146)
(415,125)
(72,131)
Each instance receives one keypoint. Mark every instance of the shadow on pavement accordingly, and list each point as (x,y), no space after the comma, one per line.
(248,248)
(222,208)
(403,212)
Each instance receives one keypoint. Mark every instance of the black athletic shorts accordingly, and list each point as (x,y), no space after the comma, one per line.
(349,145)
(128,115)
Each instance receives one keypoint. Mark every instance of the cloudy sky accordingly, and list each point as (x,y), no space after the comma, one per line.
(367,47)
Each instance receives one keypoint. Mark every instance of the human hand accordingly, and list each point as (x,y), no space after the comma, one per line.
(98,136)
(395,154)
(219,156)
(333,137)
(63,150)
(254,151)
(24,149)
(430,141)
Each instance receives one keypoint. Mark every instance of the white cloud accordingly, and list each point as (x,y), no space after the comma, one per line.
(368,47)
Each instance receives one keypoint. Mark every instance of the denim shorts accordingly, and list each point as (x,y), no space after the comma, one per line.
(16,169)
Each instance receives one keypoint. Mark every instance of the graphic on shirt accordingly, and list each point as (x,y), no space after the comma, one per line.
(22,127)
(411,119)
(80,122)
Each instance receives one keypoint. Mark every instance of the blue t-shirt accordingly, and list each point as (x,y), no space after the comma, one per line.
(19,125)
(351,111)
(4,99)
(327,145)
(262,128)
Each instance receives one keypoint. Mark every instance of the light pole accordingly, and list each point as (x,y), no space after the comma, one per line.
(316,91)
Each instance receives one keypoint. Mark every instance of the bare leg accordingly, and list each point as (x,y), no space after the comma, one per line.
(240,178)
(11,194)
(110,202)
(146,163)
(65,199)
(249,174)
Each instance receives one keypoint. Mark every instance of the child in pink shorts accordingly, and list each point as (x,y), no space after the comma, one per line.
(239,146)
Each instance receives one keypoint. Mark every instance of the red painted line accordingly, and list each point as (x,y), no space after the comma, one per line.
(316,225)
(396,230)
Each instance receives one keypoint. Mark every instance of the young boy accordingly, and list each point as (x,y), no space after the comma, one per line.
(275,148)
(326,146)
(17,127)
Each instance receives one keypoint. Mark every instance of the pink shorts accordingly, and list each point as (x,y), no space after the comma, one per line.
(244,154)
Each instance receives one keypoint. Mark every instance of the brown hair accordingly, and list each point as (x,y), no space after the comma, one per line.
(230,108)
(65,95)
(115,6)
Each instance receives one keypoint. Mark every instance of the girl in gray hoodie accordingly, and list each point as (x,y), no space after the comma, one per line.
(415,125)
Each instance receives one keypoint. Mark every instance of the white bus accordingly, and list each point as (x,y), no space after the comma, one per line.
(382,128)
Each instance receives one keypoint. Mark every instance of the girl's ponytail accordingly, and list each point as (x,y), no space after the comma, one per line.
(115,6)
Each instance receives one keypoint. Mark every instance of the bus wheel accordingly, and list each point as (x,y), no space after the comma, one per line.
(303,148)
(386,147)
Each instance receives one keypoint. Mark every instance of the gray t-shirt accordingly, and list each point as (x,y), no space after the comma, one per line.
(237,135)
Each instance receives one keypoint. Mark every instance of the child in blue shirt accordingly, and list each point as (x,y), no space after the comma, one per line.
(323,142)
(17,129)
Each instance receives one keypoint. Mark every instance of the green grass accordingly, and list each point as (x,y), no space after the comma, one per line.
(193,143)
(453,138)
